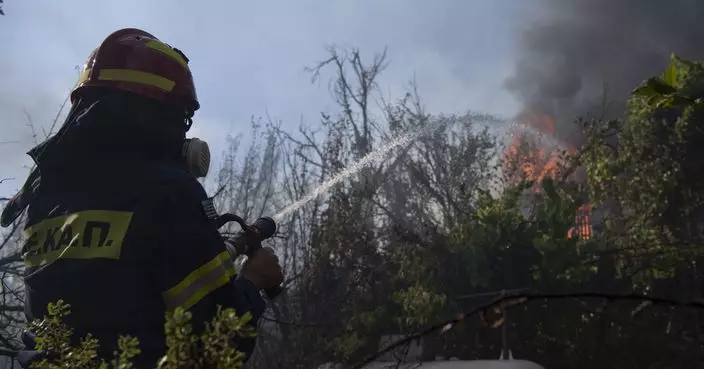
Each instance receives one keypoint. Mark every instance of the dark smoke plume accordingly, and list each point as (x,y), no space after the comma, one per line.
(580,49)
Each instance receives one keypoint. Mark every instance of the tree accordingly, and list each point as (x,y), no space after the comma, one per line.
(11,291)
(440,223)
(432,237)
(354,243)
(647,165)
(12,319)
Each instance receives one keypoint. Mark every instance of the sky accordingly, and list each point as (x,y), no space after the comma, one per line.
(249,58)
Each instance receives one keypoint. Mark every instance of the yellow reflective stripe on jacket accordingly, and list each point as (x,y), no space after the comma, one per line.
(136,76)
(199,283)
(166,49)
(85,234)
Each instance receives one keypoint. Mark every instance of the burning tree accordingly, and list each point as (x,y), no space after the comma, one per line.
(534,154)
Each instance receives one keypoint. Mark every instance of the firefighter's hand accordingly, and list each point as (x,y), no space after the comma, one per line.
(263,269)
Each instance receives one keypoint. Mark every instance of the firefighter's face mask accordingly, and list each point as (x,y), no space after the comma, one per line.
(196,154)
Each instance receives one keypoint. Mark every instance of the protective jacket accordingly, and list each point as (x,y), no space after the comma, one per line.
(124,240)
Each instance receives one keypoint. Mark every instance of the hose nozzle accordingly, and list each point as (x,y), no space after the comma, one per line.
(249,240)
(264,228)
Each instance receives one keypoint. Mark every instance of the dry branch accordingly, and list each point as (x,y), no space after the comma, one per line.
(519,299)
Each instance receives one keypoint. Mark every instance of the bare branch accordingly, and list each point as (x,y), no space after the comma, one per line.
(508,301)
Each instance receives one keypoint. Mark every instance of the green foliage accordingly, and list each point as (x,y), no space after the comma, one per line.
(503,229)
(653,174)
(419,305)
(52,335)
(426,233)
(552,220)
(214,348)
(678,86)
(346,345)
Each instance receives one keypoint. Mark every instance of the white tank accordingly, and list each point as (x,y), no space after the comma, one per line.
(460,364)
(411,356)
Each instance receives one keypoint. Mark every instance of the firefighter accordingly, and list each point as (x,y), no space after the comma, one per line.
(115,222)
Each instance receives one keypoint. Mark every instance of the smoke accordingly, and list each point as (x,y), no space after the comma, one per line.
(581,58)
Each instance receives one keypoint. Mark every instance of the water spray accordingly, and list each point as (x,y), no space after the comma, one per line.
(249,240)
(376,155)
(354,168)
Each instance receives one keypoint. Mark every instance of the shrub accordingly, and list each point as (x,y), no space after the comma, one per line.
(214,348)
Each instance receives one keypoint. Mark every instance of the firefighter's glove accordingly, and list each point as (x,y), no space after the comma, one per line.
(263,269)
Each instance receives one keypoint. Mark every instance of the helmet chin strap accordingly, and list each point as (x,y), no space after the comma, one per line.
(189,121)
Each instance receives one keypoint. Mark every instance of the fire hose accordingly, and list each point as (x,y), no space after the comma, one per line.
(249,240)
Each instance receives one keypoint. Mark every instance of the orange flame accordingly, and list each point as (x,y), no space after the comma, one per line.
(543,123)
(583,227)
(540,164)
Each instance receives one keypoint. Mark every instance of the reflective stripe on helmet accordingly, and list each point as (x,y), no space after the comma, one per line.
(136,76)
(85,75)
(199,283)
(135,61)
(166,49)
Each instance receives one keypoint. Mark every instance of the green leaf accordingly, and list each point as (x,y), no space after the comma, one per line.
(657,100)
(653,89)
(677,100)
(665,102)
(687,64)
(644,91)
(660,86)
(549,188)
(671,73)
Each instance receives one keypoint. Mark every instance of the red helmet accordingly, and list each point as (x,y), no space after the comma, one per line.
(135,61)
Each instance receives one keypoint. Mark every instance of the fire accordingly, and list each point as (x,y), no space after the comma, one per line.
(543,123)
(538,163)
(533,166)
(583,227)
